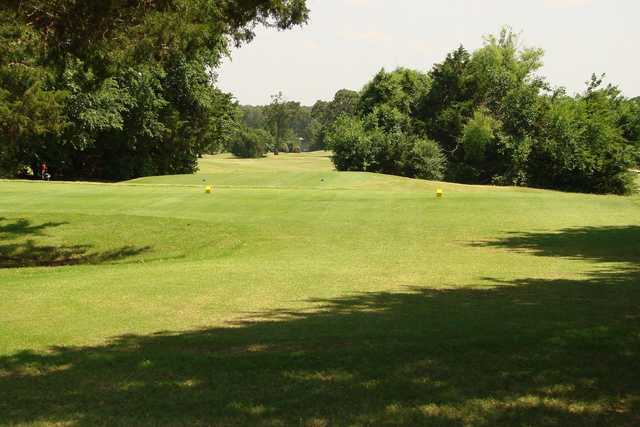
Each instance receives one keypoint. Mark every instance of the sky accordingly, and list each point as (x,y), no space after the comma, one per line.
(347,41)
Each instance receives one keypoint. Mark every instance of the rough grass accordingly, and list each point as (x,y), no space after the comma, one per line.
(296,295)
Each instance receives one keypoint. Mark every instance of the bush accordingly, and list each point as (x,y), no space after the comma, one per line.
(251,143)
(387,148)
(350,144)
(425,160)
(283,148)
(583,147)
(391,152)
(477,135)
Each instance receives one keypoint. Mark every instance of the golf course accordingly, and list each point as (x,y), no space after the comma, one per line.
(293,294)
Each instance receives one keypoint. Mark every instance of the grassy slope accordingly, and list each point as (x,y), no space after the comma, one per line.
(295,294)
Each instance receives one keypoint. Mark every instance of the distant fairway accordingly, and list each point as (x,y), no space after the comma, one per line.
(308,171)
(297,295)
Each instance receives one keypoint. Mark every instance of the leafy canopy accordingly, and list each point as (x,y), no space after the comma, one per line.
(121,88)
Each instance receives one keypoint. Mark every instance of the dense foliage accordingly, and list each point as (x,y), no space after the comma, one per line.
(483,117)
(288,122)
(359,146)
(123,88)
(495,121)
(251,143)
(324,114)
(298,127)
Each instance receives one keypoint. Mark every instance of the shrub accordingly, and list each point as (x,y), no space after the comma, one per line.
(387,148)
(391,152)
(350,144)
(251,143)
(477,135)
(583,148)
(283,148)
(425,160)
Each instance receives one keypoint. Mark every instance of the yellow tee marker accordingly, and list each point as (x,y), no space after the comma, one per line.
(208,189)
(439,193)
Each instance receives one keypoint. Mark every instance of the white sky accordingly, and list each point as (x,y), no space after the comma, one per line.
(347,41)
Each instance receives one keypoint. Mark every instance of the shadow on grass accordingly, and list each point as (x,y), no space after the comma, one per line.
(603,244)
(19,247)
(527,352)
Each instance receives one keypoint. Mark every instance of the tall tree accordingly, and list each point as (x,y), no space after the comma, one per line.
(280,116)
(133,78)
(496,120)
(400,89)
(324,114)
(444,110)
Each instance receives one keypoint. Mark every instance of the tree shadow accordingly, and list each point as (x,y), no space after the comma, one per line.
(523,353)
(19,248)
(21,227)
(602,244)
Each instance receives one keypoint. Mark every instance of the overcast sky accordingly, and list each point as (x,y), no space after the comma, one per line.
(347,41)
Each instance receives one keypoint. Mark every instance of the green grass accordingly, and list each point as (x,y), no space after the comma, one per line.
(297,295)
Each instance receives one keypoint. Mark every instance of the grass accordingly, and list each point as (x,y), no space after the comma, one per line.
(296,295)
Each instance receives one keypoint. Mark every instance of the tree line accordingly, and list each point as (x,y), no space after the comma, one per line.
(126,88)
(288,126)
(482,117)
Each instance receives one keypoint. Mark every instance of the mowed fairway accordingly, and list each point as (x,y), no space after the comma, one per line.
(297,295)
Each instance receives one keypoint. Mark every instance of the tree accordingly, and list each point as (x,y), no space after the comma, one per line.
(253,116)
(324,114)
(299,123)
(129,83)
(31,109)
(498,81)
(444,110)
(345,102)
(278,117)
(629,121)
(358,146)
(582,145)
(388,118)
(350,144)
(477,136)
(401,89)
(424,160)
(251,143)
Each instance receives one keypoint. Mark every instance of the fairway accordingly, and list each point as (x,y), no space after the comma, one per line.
(298,295)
